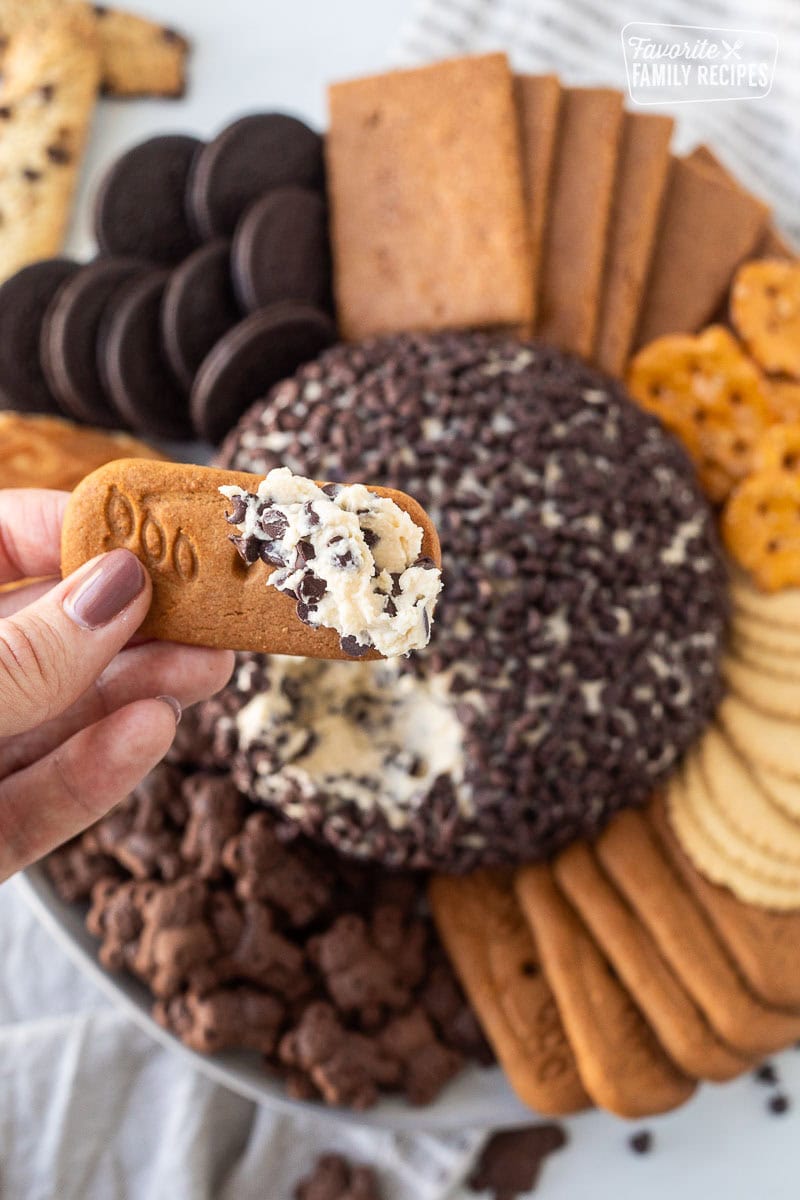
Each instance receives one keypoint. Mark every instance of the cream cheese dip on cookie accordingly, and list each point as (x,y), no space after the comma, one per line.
(351,559)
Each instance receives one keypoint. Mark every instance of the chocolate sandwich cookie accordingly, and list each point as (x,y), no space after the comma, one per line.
(258,352)
(133,368)
(252,156)
(68,344)
(575,655)
(24,299)
(140,209)
(281,251)
(199,307)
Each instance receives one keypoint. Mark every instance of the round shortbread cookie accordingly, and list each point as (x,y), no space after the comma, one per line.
(776,608)
(771,661)
(782,792)
(779,697)
(712,862)
(741,802)
(765,867)
(760,632)
(763,740)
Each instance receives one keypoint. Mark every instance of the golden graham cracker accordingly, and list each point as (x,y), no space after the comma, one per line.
(622,1065)
(172,516)
(428,222)
(763,945)
(631,855)
(49,452)
(48,89)
(707,230)
(641,180)
(491,948)
(773,243)
(664,1002)
(581,193)
(538,99)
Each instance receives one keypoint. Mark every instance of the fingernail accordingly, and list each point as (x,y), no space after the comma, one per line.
(109,587)
(174,705)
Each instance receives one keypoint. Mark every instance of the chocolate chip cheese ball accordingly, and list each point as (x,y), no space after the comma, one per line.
(575,653)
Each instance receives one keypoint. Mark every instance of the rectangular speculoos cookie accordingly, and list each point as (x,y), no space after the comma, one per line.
(707,229)
(764,945)
(622,1065)
(428,223)
(538,98)
(633,858)
(493,952)
(581,193)
(641,180)
(664,1002)
(172,516)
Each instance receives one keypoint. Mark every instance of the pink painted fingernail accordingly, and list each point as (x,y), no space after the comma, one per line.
(110,586)
(174,705)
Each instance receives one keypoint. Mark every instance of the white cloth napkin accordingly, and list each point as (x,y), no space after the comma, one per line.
(581,41)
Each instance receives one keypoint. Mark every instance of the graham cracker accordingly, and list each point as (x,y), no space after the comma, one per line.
(639,188)
(428,221)
(623,1067)
(538,98)
(492,950)
(765,946)
(773,243)
(707,229)
(578,216)
(630,853)
(666,1005)
(53,453)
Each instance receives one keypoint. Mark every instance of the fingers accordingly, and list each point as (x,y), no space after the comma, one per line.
(63,793)
(30,532)
(53,650)
(189,673)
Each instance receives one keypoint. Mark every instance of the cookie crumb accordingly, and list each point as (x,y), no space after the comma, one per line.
(335,1178)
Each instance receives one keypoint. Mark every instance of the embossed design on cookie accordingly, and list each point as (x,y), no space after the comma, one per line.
(184,558)
(153,539)
(120,516)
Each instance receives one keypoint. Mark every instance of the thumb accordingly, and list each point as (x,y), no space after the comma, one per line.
(54,649)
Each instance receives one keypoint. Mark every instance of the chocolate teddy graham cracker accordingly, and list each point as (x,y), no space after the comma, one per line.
(538,99)
(173,517)
(707,229)
(623,1067)
(493,952)
(579,209)
(677,1023)
(428,223)
(48,89)
(631,855)
(642,172)
(764,945)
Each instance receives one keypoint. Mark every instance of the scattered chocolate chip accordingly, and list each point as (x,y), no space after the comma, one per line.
(47,91)
(778,1105)
(353,647)
(31,175)
(767,1074)
(642,1142)
(6,112)
(59,155)
(512,1160)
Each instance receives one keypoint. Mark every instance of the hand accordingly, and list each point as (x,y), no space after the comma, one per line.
(83,715)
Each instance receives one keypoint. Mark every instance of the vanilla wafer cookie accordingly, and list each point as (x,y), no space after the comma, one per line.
(621,1063)
(775,608)
(776,695)
(49,84)
(762,740)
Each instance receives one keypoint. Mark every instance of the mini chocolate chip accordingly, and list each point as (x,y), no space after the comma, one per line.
(100,10)
(313,517)
(59,154)
(31,175)
(345,559)
(304,611)
(352,647)
(371,538)
(390,607)
(171,35)
(767,1074)
(274,523)
(311,587)
(248,548)
(271,552)
(238,512)
(642,1142)
(426,563)
(47,91)
(778,1105)
(332,490)
(6,112)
